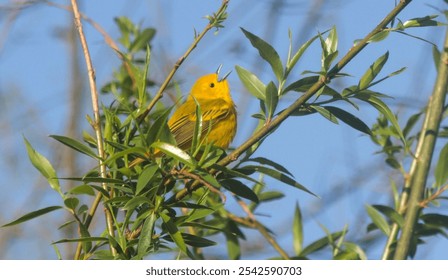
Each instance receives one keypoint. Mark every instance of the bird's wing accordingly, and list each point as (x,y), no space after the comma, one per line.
(183,126)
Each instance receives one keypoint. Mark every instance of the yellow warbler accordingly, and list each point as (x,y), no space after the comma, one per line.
(218,114)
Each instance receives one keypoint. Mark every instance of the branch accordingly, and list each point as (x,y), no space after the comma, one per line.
(256,225)
(422,161)
(96,127)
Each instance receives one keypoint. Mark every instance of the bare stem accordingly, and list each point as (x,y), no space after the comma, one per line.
(428,136)
(96,124)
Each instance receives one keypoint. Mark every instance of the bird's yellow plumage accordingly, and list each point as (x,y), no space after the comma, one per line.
(218,114)
(219,117)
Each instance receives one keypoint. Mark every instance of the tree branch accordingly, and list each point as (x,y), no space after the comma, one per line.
(96,127)
(428,137)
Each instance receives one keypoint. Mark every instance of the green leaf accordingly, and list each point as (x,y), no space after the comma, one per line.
(142,40)
(270,195)
(373,71)
(251,82)
(136,201)
(195,142)
(71,203)
(82,189)
(145,177)
(349,119)
(292,62)
(32,215)
(199,213)
(76,145)
(277,175)
(441,171)
(329,49)
(267,52)
(44,166)
(382,107)
(380,36)
(378,219)
(233,246)
(141,79)
(197,241)
(271,163)
(145,240)
(174,232)
(271,99)
(435,220)
(436,56)
(240,189)
(176,153)
(390,213)
(325,113)
(422,21)
(302,85)
(82,239)
(320,244)
(297,230)
(157,128)
(411,123)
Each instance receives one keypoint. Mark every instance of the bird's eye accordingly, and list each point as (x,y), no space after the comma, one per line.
(212,85)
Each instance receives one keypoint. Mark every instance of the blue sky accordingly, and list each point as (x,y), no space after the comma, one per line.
(34,78)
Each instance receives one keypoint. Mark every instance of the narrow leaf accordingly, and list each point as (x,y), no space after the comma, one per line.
(320,243)
(44,166)
(174,232)
(197,241)
(378,219)
(142,40)
(271,163)
(390,213)
(441,171)
(270,195)
(76,145)
(176,153)
(146,234)
(436,56)
(267,52)
(271,100)
(251,82)
(422,21)
(380,36)
(382,107)
(297,230)
(349,119)
(291,63)
(279,176)
(302,85)
(32,215)
(373,71)
(240,189)
(325,113)
(145,177)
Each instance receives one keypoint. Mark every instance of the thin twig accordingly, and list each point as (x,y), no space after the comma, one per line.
(435,195)
(258,226)
(199,178)
(96,124)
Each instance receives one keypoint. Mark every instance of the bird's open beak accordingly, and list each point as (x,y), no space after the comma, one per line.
(225,76)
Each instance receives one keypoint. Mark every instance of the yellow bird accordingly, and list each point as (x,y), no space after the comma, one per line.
(219,116)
